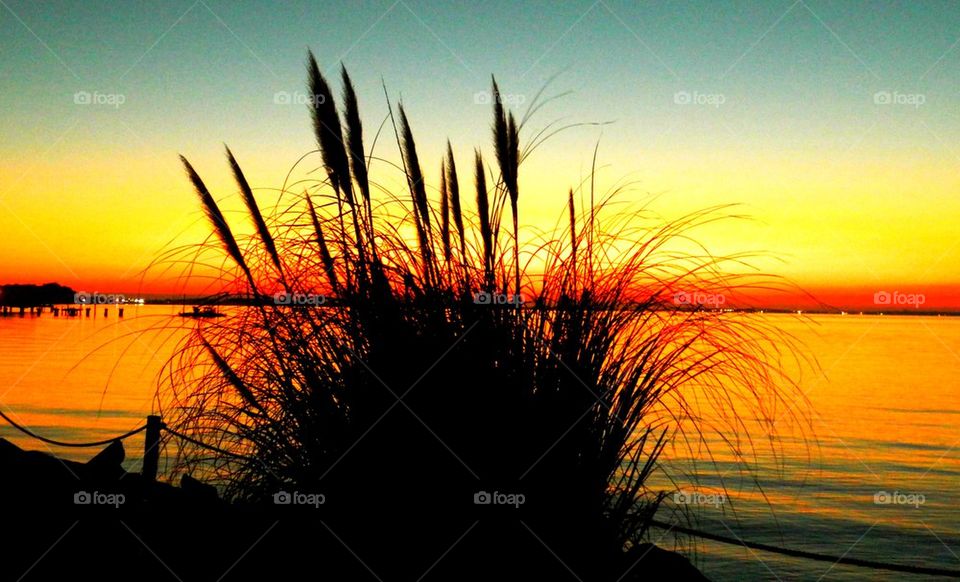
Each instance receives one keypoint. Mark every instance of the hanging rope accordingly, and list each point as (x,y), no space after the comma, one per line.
(57,443)
(201,444)
(810,555)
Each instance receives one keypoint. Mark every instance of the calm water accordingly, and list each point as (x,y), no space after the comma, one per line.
(884,415)
(85,379)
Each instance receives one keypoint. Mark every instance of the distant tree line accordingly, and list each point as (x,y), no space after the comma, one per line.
(26,295)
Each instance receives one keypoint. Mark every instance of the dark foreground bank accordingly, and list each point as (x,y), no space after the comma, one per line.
(96,521)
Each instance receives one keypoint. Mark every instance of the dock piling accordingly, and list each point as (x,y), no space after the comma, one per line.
(151,448)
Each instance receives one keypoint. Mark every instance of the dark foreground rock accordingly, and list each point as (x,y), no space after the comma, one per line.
(50,484)
(96,521)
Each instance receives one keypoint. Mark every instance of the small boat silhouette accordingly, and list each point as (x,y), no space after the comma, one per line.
(202,312)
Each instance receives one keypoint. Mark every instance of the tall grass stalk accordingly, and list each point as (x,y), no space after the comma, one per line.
(407,384)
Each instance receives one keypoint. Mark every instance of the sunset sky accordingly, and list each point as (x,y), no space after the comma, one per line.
(836,125)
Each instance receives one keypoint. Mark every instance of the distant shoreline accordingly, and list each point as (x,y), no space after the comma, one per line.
(332,305)
(215,300)
(15,296)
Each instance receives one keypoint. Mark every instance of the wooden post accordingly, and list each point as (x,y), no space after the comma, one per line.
(151,448)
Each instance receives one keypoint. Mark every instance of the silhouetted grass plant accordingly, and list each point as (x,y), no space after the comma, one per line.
(403,386)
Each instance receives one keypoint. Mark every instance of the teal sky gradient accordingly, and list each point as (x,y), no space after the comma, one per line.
(795,76)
